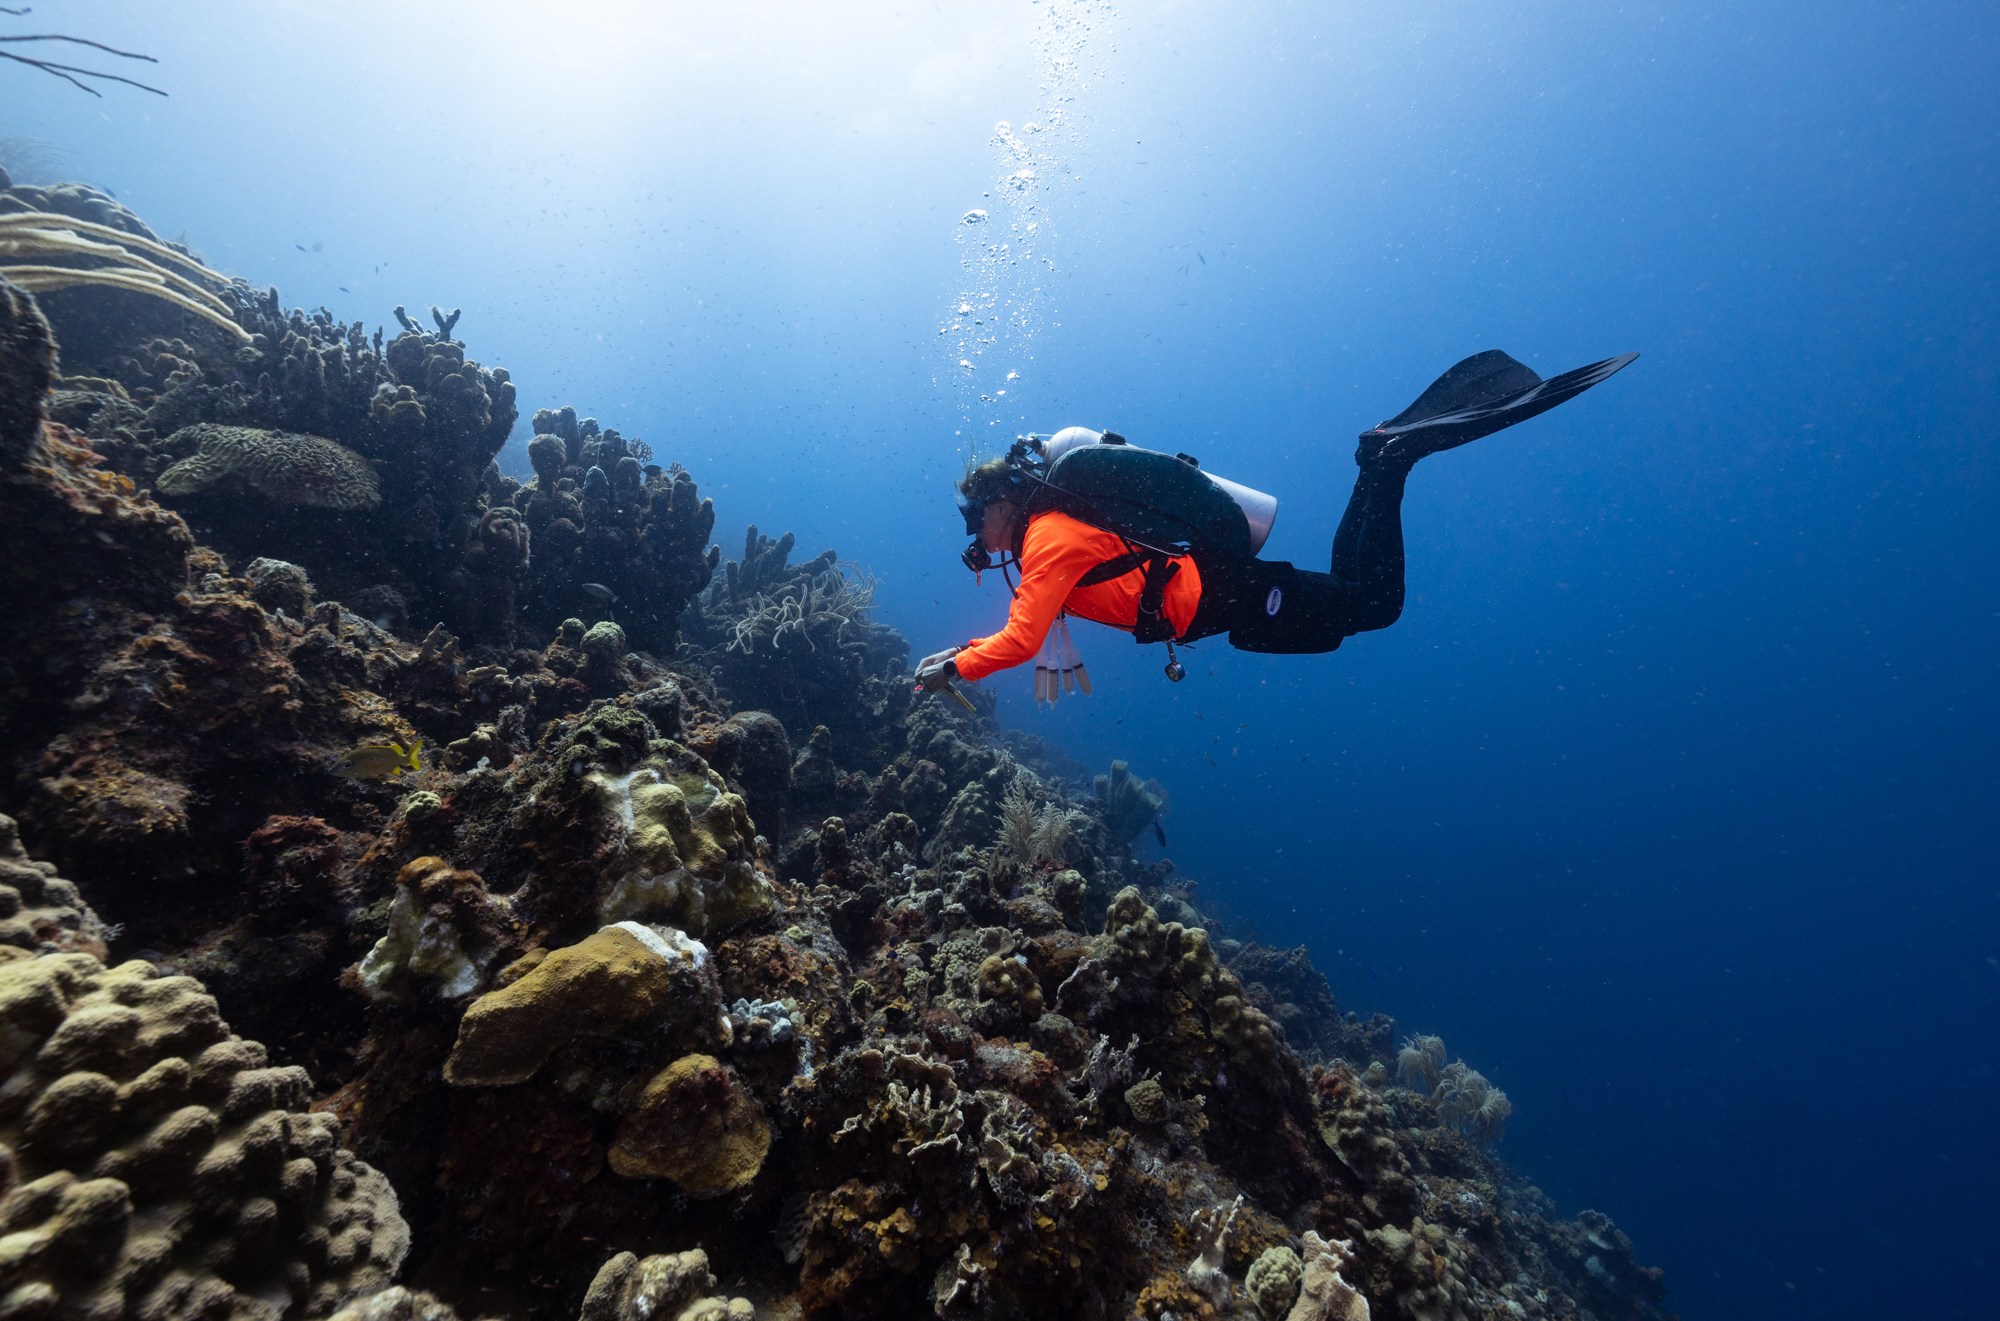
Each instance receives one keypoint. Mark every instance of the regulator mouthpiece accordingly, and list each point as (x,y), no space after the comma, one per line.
(976,557)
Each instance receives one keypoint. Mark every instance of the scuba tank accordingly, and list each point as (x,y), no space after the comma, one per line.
(1164,502)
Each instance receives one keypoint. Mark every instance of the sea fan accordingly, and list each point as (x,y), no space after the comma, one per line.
(1019,822)
(1055,842)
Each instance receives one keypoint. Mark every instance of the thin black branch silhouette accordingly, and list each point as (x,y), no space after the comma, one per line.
(71,73)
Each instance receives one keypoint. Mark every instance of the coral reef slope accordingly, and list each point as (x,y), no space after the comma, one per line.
(623,935)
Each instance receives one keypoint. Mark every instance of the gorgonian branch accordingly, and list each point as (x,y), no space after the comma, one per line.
(70,73)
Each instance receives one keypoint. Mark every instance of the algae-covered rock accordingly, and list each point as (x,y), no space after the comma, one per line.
(623,978)
(156,1166)
(397,1304)
(696,1124)
(611,739)
(279,585)
(27,369)
(604,640)
(670,1287)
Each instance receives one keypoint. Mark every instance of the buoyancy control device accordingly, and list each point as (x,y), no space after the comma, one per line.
(1163,502)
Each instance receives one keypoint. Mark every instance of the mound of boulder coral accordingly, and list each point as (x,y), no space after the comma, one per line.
(154,1164)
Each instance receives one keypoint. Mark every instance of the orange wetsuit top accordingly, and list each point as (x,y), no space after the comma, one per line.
(1055,552)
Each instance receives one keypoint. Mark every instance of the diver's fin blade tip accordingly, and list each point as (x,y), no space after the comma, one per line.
(1475,410)
(1484,378)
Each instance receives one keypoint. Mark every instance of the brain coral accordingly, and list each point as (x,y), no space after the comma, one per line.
(284,467)
(1273,1282)
(152,1165)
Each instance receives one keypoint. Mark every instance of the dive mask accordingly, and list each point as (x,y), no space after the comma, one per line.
(975,557)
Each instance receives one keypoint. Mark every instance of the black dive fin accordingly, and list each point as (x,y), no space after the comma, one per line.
(1482,395)
(1481,380)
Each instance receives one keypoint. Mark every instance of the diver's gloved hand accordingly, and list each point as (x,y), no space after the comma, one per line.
(935,673)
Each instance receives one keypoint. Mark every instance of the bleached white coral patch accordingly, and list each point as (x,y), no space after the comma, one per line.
(676,891)
(670,943)
(767,1024)
(618,791)
(684,846)
(419,944)
(1323,1294)
(1207,1271)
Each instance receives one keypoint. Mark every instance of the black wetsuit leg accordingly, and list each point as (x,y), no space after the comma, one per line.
(1273,606)
(1368,547)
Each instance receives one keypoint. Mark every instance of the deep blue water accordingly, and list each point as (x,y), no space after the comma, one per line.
(1670,801)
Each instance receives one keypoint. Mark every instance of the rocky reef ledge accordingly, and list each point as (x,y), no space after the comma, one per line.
(426,893)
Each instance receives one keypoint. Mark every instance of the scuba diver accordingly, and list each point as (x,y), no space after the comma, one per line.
(1151,544)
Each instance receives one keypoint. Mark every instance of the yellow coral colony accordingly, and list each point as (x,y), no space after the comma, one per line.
(39,236)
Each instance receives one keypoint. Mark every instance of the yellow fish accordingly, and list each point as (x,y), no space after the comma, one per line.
(379,761)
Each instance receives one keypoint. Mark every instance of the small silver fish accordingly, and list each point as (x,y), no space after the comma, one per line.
(599,592)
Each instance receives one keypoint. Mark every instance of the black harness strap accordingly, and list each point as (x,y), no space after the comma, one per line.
(1152,624)
(1113,568)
